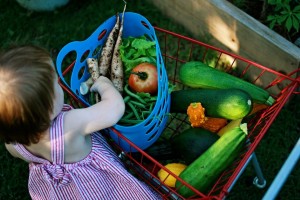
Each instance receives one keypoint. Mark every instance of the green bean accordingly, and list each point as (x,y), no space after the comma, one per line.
(151,106)
(134,110)
(145,114)
(129,115)
(126,99)
(130,121)
(154,98)
(92,98)
(137,97)
(138,104)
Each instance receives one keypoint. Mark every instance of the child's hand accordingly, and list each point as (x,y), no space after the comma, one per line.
(101,84)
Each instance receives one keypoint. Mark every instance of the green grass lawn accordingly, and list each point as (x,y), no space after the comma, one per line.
(77,21)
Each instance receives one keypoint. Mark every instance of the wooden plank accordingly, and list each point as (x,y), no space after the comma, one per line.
(223,25)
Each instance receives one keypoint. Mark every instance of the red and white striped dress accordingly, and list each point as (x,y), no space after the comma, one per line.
(100,175)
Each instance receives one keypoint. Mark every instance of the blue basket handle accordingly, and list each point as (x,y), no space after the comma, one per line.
(70,48)
(80,48)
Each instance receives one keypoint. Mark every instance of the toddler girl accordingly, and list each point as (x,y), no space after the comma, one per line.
(67,158)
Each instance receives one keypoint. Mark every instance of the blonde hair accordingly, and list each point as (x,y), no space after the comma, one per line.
(26,94)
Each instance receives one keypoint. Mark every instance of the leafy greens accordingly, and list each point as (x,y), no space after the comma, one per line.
(136,50)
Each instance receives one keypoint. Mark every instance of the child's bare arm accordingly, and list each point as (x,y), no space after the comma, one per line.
(101,115)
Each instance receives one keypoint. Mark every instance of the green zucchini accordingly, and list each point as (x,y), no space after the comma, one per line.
(223,103)
(206,169)
(199,75)
(192,142)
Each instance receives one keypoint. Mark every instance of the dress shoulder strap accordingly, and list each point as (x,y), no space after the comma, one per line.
(57,137)
(27,155)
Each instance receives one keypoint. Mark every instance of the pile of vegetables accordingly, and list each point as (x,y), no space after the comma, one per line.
(130,63)
(205,169)
(216,104)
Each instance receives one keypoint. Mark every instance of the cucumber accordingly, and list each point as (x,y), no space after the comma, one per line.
(199,75)
(192,142)
(206,169)
(223,103)
(230,125)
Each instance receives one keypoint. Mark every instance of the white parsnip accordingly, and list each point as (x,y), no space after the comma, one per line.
(93,68)
(117,71)
(94,71)
(105,58)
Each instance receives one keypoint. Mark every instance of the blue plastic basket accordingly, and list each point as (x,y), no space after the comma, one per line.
(145,133)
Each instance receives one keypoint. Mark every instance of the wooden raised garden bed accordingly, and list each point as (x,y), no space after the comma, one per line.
(221,24)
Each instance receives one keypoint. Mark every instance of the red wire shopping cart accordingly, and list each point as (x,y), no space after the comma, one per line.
(177,49)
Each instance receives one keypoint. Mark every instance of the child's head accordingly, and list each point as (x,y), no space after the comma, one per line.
(27,78)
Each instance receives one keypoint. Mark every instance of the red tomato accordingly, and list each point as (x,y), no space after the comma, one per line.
(143,78)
